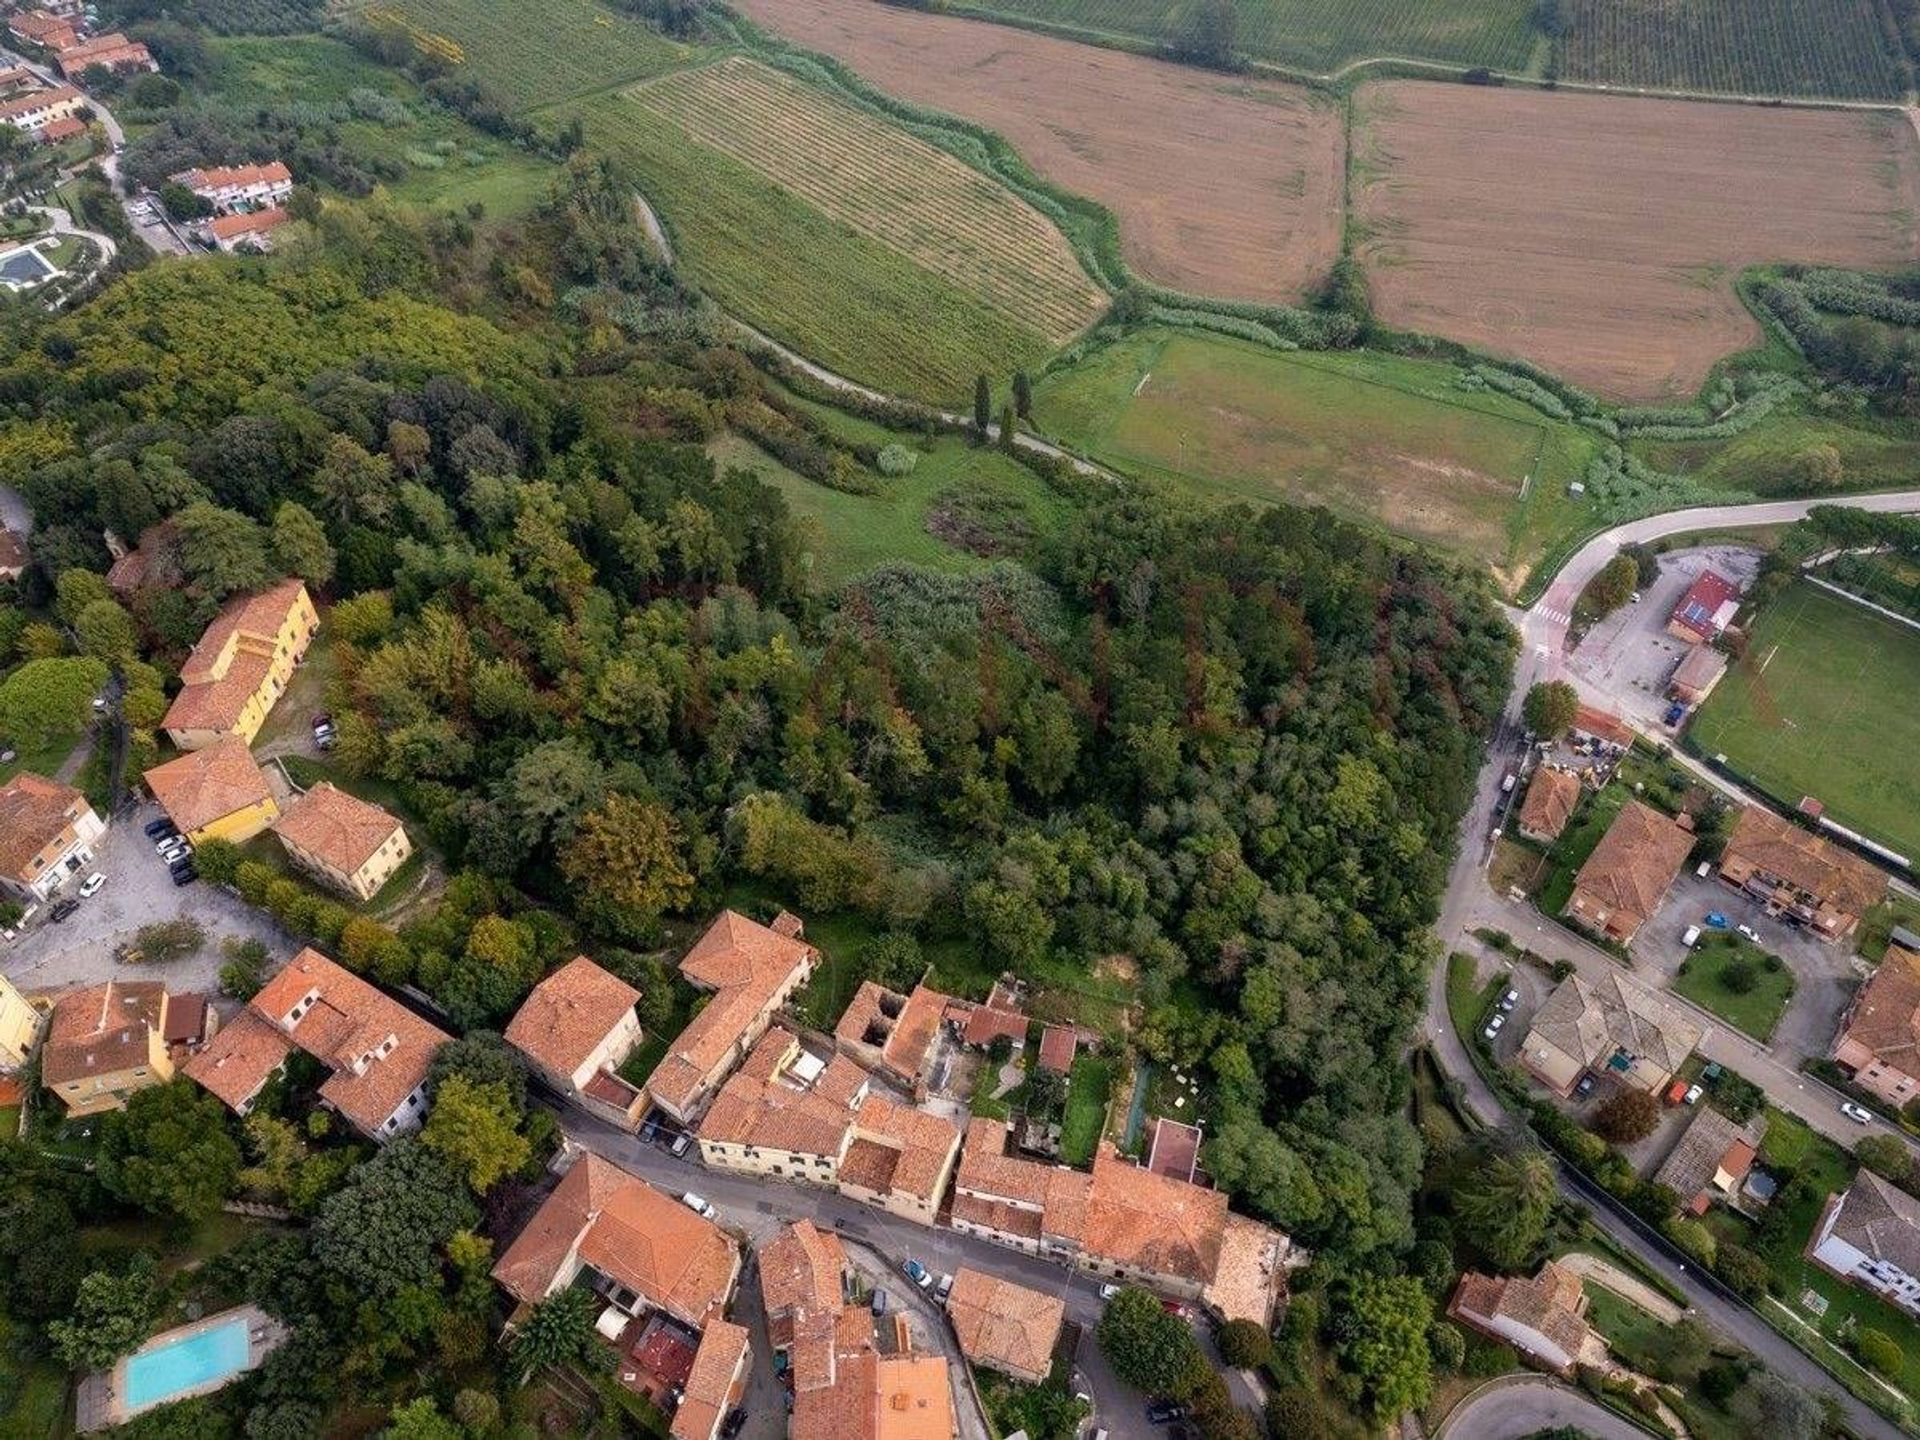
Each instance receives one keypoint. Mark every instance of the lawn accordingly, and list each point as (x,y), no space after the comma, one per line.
(1760,989)
(840,297)
(1767,459)
(1576,842)
(534,55)
(847,536)
(1373,437)
(1822,705)
(33,1390)
(1467,1002)
(1089,1086)
(44,758)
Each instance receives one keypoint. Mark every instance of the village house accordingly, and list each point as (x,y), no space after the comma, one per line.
(1627,875)
(342,841)
(1879,1036)
(104,1042)
(1711,1161)
(20,1022)
(1699,670)
(893,1034)
(1706,610)
(215,793)
(1612,1027)
(244,234)
(1544,1317)
(377,1049)
(239,188)
(1122,1222)
(752,970)
(716,1381)
(47,832)
(36,109)
(575,1029)
(1004,1326)
(1551,797)
(1799,876)
(16,78)
(240,666)
(1058,1045)
(638,1249)
(114,53)
(49,32)
(1870,1237)
(55,131)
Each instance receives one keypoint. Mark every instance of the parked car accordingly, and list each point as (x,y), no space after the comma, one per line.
(1692,937)
(1107,1292)
(184,873)
(1694,1092)
(1584,1088)
(1508,1001)
(918,1273)
(944,1288)
(1859,1114)
(680,1144)
(90,886)
(1704,869)
(1676,712)
(699,1206)
(879,1302)
(61,911)
(1164,1412)
(1717,921)
(1506,785)
(156,828)
(1751,933)
(1493,1026)
(174,854)
(732,1425)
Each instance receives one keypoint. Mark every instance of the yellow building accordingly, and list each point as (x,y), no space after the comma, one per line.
(215,794)
(241,666)
(19,1026)
(343,841)
(104,1043)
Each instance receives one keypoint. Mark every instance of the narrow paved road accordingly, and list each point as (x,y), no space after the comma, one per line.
(1510,1409)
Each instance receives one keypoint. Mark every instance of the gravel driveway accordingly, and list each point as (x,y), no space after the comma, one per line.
(139,891)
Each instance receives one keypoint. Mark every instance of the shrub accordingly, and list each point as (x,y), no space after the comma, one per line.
(1740,975)
(1244,1344)
(1877,1351)
(1295,1413)
(1744,1272)
(1627,1117)
(895,460)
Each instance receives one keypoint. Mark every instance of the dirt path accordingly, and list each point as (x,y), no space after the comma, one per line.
(1628,1287)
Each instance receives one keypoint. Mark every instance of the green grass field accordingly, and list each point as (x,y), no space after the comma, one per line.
(1756,1010)
(1823,705)
(1086,1109)
(850,535)
(534,55)
(1758,47)
(1370,436)
(1767,459)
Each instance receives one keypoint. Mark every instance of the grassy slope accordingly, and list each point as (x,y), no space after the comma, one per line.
(1823,705)
(1371,436)
(534,55)
(1765,459)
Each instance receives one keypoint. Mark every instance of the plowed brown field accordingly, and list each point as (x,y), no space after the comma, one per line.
(1222,186)
(1600,236)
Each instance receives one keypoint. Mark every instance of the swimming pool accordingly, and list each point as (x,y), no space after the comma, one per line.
(192,1361)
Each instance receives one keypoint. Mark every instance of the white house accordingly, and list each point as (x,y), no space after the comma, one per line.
(236,189)
(1870,1236)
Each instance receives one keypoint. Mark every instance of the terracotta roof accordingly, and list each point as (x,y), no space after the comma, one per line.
(1251,1273)
(217,703)
(1839,879)
(1153,1223)
(1603,726)
(254,222)
(1699,668)
(801,1270)
(101,1029)
(1057,1046)
(203,786)
(1881,1221)
(1551,797)
(33,813)
(901,1027)
(339,829)
(1630,869)
(998,1215)
(761,1106)
(878,1397)
(569,1014)
(347,1024)
(52,133)
(32,25)
(258,616)
(35,100)
(186,1019)
(1003,1325)
(240,1059)
(1886,1017)
(708,1388)
(225,177)
(1549,1303)
(629,1232)
(986,1024)
(900,1150)
(987,1169)
(1591,1022)
(747,965)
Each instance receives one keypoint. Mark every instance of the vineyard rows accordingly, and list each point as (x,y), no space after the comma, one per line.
(1320,35)
(535,54)
(887,185)
(843,299)
(1746,47)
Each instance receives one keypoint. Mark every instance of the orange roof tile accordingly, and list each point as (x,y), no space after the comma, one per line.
(240,1059)
(1057,1046)
(341,830)
(1840,880)
(919,1149)
(1632,866)
(1885,1019)
(569,1014)
(1004,1325)
(1551,798)
(206,785)
(759,1106)
(1151,1222)
(33,813)
(253,222)
(101,1029)
(708,1390)
(224,177)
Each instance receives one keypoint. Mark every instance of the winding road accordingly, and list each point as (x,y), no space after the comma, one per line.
(1513,1407)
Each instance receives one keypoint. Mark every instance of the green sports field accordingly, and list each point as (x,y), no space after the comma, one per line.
(1823,705)
(1370,436)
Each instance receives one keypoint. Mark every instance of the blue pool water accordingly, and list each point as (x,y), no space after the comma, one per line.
(185,1364)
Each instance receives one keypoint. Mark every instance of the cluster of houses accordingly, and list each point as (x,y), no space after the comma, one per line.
(246,203)
(58,31)
(49,113)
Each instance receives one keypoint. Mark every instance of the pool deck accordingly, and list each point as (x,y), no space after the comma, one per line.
(101,1402)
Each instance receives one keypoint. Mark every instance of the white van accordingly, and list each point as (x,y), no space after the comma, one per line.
(1692,937)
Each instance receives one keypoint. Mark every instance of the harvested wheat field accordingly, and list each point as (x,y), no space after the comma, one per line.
(1222,186)
(1600,236)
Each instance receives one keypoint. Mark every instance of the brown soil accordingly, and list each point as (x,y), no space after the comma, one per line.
(1600,236)
(1222,186)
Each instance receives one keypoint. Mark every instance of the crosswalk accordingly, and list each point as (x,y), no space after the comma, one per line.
(1558,617)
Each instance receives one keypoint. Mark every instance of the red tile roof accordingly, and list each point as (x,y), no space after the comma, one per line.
(240,1059)
(709,1387)
(206,785)
(1057,1046)
(101,1029)
(33,814)
(1710,602)
(341,830)
(570,1014)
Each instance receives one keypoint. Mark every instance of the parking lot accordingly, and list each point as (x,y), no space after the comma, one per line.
(1629,656)
(138,891)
